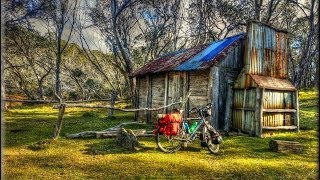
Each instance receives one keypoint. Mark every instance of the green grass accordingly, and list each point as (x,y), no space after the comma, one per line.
(241,157)
(308,101)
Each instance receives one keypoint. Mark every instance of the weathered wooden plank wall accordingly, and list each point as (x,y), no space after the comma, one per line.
(159,90)
(175,88)
(142,96)
(157,94)
(228,112)
(198,87)
(223,74)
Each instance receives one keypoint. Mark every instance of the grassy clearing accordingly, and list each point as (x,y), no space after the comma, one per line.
(241,157)
(308,100)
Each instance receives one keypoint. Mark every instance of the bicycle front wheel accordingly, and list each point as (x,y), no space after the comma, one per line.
(168,143)
(207,137)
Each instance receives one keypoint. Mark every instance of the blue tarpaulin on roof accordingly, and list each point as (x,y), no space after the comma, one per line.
(208,54)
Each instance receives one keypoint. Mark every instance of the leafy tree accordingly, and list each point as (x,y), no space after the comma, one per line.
(121,24)
(58,15)
(160,28)
(27,60)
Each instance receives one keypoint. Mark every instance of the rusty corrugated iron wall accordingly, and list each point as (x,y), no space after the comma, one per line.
(244,103)
(278,100)
(264,99)
(266,51)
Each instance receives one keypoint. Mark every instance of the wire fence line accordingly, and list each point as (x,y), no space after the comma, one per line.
(57,106)
(114,108)
(63,105)
(55,101)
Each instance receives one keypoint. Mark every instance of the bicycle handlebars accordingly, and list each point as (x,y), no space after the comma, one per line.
(201,109)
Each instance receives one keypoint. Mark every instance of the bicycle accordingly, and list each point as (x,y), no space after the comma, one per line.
(209,136)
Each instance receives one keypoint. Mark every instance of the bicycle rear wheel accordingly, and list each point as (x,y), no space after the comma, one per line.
(210,142)
(168,143)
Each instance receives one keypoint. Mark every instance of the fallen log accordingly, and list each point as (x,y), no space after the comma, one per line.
(123,124)
(285,146)
(110,134)
(81,135)
(105,134)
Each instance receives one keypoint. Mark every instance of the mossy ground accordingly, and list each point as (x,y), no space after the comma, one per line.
(241,157)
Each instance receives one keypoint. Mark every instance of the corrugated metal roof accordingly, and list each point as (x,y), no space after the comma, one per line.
(196,58)
(273,83)
(209,54)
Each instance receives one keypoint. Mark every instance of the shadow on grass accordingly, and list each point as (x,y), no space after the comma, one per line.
(243,146)
(191,149)
(109,146)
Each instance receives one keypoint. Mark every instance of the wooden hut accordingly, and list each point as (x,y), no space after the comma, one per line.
(205,71)
(263,97)
(235,74)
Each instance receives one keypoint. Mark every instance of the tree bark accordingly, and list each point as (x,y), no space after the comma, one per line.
(306,57)
(3,94)
(112,102)
(257,9)
(59,122)
(115,11)
(57,71)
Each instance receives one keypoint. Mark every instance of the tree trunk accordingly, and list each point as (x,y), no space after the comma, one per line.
(257,9)
(112,102)
(306,57)
(40,84)
(115,11)
(3,94)
(80,88)
(57,81)
(317,75)
(59,122)
(40,90)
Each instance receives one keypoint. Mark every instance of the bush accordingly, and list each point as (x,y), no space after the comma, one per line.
(89,114)
(44,144)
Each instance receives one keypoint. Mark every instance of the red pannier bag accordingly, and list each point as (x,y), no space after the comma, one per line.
(169,124)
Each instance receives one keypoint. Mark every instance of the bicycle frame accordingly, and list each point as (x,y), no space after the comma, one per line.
(192,136)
